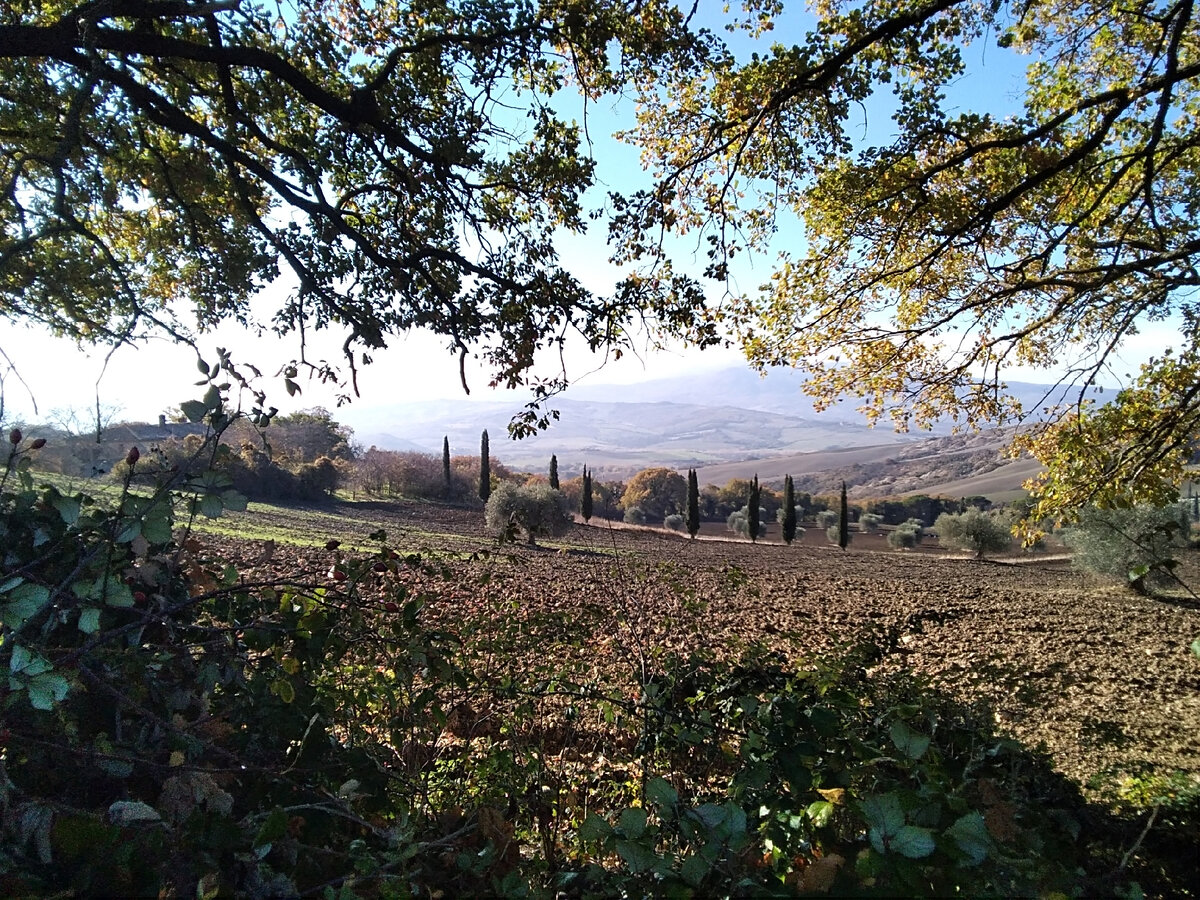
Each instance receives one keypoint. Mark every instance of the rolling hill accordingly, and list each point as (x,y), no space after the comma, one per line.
(727,423)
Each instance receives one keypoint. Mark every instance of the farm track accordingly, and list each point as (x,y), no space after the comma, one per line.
(1101,678)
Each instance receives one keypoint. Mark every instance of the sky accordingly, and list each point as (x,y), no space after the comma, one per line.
(42,378)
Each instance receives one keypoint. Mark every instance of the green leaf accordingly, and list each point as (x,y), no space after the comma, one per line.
(115,768)
(970,833)
(661,794)
(883,813)
(736,819)
(234,501)
(594,828)
(911,743)
(913,842)
(68,507)
(211,506)
(27,663)
(1195,647)
(132,812)
(129,530)
(638,857)
(632,822)
(156,526)
(282,688)
(694,869)
(89,620)
(820,813)
(193,409)
(888,831)
(274,828)
(47,689)
(710,815)
(23,603)
(116,593)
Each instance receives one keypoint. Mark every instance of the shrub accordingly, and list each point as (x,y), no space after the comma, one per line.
(739,522)
(781,513)
(1139,544)
(914,827)
(869,523)
(635,515)
(675,522)
(973,530)
(917,526)
(836,535)
(904,538)
(537,510)
(827,518)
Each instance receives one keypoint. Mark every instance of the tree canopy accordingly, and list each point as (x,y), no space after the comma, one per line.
(403,164)
(657,491)
(411,165)
(967,240)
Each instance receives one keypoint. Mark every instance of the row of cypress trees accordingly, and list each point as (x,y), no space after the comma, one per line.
(754,523)
(753,510)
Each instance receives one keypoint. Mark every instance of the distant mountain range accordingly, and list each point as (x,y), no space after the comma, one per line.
(724,421)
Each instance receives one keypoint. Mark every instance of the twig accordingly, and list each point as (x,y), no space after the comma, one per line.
(1141,837)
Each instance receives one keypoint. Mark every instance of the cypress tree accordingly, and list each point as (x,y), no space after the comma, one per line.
(844,520)
(752,519)
(446,462)
(485,469)
(554,471)
(789,509)
(693,503)
(585,500)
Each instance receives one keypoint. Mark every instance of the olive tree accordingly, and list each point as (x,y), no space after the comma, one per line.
(537,510)
(973,530)
(1140,544)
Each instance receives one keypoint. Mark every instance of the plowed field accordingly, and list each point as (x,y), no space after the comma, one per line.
(1100,677)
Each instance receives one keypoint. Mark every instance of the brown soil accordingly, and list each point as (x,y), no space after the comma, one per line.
(1101,677)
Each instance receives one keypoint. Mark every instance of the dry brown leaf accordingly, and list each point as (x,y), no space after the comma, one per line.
(820,875)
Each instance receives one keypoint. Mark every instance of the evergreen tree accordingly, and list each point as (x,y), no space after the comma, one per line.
(843,520)
(446,463)
(485,469)
(752,513)
(585,499)
(789,509)
(554,471)
(693,503)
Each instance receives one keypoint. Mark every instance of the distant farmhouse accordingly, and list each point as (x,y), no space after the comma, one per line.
(94,454)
